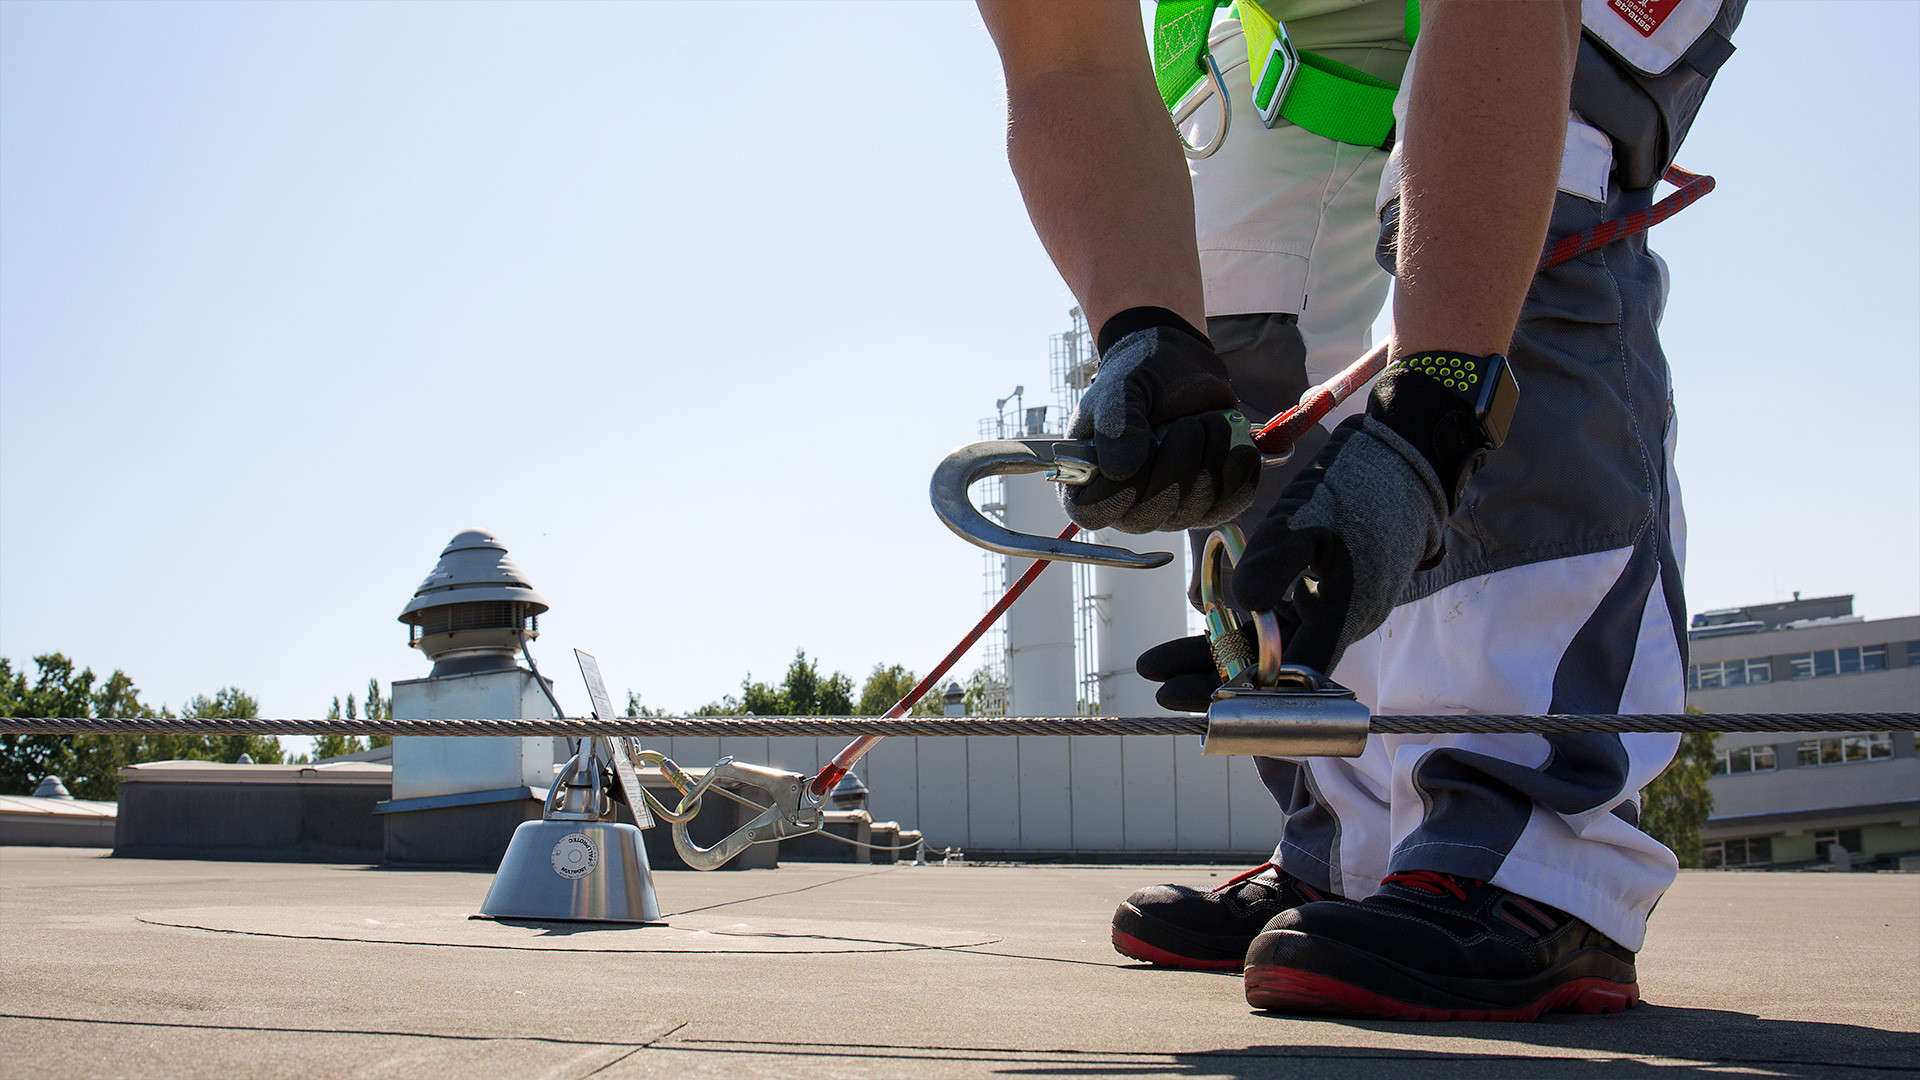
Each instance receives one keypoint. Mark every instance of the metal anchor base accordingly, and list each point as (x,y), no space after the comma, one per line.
(577,864)
(574,871)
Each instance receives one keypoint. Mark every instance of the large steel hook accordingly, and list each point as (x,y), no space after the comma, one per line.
(1067,461)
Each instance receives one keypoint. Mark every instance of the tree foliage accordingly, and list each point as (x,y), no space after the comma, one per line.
(886,685)
(1677,803)
(805,691)
(378,708)
(90,764)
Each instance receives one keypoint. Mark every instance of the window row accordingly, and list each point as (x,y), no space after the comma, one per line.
(1846,749)
(1849,661)
(1744,760)
(1758,669)
(1716,854)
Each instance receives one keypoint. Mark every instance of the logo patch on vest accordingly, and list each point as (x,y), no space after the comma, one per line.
(1644,15)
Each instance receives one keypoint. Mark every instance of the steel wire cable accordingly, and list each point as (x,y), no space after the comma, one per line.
(659,727)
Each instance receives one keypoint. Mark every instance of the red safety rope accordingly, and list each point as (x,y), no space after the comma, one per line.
(1691,185)
(1280,434)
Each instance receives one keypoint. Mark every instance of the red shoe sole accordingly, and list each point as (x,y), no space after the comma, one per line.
(1128,945)
(1289,990)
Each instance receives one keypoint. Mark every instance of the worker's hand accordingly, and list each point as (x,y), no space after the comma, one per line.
(1157,413)
(1185,669)
(1343,542)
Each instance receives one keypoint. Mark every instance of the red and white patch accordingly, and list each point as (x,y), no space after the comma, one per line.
(1644,15)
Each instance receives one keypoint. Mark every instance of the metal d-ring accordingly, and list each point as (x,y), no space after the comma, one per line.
(1216,87)
(1231,657)
(1070,461)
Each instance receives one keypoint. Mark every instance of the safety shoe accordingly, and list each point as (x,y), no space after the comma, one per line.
(1182,927)
(1433,946)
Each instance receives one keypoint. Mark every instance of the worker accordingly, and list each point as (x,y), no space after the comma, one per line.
(1497,530)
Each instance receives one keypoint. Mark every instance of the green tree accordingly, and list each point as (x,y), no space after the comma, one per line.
(1677,803)
(90,764)
(804,692)
(378,708)
(986,696)
(886,685)
(634,708)
(227,703)
(56,691)
(333,746)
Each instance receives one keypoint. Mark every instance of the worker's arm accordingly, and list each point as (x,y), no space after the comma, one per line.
(1486,120)
(1099,164)
(1097,159)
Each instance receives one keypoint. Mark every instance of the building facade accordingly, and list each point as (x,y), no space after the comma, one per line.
(1790,800)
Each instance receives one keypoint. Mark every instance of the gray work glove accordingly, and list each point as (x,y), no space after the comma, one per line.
(1157,413)
(1347,535)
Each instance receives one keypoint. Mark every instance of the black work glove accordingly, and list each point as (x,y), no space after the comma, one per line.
(1156,413)
(1186,670)
(1344,540)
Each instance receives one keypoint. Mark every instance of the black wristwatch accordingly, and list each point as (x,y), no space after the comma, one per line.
(1485,383)
(1453,407)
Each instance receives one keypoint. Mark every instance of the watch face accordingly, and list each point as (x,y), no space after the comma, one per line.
(1499,397)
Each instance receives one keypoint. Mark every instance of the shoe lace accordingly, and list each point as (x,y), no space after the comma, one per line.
(1246,876)
(1430,881)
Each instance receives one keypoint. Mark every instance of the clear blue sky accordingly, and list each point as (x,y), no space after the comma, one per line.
(685,302)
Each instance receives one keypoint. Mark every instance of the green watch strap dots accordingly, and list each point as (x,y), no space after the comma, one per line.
(1454,371)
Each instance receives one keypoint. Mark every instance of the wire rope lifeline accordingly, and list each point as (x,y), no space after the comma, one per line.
(875,727)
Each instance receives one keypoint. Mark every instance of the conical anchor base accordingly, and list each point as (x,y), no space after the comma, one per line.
(585,871)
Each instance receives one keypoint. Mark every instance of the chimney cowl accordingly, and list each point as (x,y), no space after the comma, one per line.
(475,609)
(473,568)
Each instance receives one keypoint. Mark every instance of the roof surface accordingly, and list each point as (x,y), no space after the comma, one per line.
(190,969)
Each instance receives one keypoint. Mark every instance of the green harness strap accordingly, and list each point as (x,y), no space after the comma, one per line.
(1323,96)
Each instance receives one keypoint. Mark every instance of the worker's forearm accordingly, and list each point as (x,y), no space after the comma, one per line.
(1097,160)
(1486,124)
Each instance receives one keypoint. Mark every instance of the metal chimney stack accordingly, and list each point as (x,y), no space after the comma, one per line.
(457,800)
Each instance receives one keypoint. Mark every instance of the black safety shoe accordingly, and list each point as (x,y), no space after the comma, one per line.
(1181,927)
(1433,946)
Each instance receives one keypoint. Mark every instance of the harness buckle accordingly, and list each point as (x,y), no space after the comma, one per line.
(1272,68)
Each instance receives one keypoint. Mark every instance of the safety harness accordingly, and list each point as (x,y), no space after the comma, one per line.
(1323,96)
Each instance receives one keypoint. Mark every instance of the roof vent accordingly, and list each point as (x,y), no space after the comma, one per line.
(51,788)
(474,609)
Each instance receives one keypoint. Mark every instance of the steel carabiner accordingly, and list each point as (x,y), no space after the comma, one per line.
(785,817)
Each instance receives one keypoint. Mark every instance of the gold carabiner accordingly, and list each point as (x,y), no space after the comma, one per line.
(1226,639)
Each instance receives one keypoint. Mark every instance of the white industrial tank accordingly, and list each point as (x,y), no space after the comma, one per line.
(1041,674)
(1134,611)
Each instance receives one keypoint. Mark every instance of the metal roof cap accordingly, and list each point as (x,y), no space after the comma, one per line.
(474,568)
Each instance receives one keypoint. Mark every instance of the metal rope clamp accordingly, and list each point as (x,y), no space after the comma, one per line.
(1265,707)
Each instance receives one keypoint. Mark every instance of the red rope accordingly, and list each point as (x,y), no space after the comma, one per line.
(1691,185)
(844,760)
(1280,433)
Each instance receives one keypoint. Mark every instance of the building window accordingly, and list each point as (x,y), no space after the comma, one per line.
(1719,854)
(1824,840)
(1744,760)
(1758,669)
(1845,749)
(1848,661)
